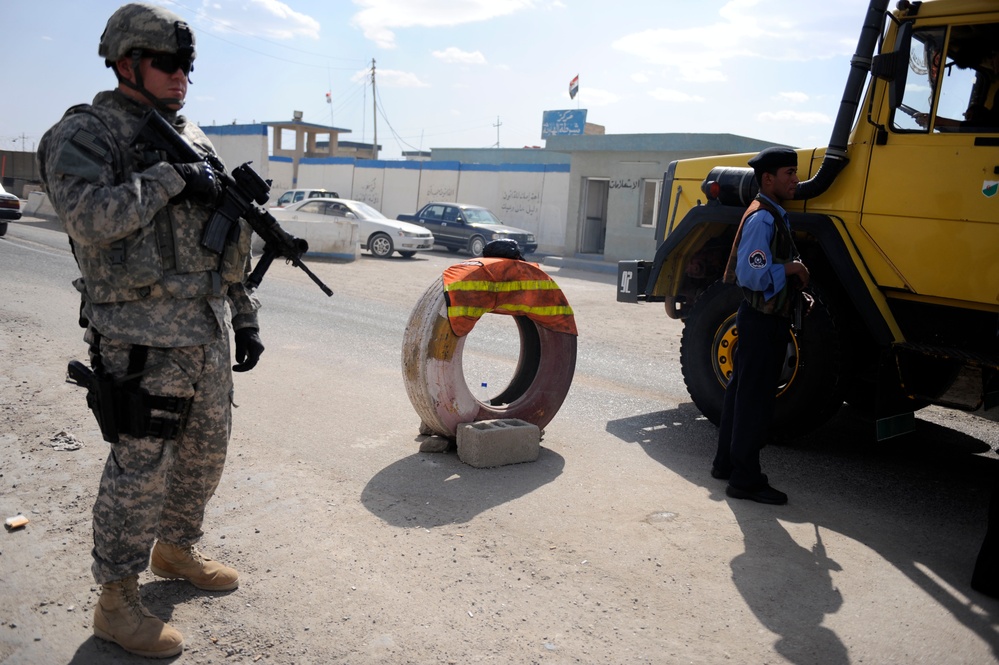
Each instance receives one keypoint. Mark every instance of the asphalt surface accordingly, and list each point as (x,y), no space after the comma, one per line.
(616,546)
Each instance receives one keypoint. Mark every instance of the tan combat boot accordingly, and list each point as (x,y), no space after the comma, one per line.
(121,618)
(187,563)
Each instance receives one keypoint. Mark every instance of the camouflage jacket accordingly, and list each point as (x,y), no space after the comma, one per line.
(146,277)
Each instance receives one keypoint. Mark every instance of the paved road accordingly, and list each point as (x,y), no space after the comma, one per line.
(616,546)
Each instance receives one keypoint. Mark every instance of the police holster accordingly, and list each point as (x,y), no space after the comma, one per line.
(124,408)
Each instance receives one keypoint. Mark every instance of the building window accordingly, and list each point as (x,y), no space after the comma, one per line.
(650,202)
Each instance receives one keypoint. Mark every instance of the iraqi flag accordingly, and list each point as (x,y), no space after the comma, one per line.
(574,87)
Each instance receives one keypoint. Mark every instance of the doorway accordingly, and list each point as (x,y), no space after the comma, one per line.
(594,228)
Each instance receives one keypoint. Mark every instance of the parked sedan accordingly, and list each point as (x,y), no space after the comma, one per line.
(377,233)
(10,208)
(296,195)
(461,226)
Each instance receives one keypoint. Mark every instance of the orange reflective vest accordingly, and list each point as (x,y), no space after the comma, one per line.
(504,286)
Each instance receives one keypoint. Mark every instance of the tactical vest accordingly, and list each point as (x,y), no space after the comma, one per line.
(782,250)
(164,259)
(505,286)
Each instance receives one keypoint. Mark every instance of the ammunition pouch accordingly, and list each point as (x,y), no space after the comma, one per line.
(123,408)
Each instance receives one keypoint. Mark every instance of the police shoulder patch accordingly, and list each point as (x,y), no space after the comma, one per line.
(758,260)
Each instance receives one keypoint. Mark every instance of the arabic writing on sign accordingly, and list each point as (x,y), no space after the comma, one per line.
(517,202)
(561,123)
(514,195)
(442,192)
(369,194)
(518,208)
(624,183)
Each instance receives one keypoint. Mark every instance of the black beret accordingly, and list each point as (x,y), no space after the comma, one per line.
(503,248)
(774,158)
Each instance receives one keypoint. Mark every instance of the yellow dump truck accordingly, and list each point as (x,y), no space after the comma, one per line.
(898,222)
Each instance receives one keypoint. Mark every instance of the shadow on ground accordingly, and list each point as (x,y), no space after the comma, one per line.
(435,489)
(920,501)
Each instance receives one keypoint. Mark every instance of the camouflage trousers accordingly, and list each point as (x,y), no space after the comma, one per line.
(158,489)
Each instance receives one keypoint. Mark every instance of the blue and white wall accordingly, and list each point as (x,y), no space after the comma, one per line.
(530,196)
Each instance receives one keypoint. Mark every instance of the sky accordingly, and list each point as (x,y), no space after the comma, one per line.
(463,73)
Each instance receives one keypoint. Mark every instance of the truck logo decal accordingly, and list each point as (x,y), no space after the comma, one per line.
(758,260)
(626,281)
(990,187)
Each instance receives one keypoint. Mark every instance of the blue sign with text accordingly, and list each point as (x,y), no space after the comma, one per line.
(563,123)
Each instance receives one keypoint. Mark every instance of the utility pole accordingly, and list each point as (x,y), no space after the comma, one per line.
(374,109)
(497,126)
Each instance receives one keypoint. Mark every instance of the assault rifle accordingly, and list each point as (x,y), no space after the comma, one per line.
(243,194)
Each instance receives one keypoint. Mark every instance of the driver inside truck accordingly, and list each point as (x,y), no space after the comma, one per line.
(975,50)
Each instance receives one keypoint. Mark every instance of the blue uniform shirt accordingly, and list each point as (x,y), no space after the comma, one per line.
(755,268)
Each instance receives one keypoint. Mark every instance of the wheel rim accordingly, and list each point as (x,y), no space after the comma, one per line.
(477,245)
(726,344)
(381,246)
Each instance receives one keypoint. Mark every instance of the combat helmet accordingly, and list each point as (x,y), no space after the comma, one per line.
(137,27)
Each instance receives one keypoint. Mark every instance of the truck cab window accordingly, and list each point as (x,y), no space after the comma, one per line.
(952,83)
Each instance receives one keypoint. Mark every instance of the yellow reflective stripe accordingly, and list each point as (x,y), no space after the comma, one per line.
(503,287)
(476,312)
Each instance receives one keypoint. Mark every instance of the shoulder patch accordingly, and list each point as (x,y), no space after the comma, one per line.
(89,142)
(758,260)
(83,155)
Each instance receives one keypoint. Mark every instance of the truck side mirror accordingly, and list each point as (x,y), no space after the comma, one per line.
(894,65)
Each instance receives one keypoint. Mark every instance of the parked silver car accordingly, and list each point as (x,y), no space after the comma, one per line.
(377,233)
(296,195)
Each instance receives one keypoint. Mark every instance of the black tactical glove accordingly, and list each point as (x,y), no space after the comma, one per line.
(201,184)
(248,349)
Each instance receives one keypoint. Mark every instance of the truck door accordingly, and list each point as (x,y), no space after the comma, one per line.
(931,203)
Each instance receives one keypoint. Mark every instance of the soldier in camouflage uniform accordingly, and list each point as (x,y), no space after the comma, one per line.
(158,307)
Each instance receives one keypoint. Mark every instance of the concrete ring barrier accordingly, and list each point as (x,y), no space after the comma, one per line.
(435,379)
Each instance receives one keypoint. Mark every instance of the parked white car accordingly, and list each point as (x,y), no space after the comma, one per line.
(10,208)
(377,233)
(296,195)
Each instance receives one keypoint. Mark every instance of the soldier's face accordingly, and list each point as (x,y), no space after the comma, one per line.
(158,83)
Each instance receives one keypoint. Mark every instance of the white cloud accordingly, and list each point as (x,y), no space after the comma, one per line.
(379,18)
(452,54)
(795,117)
(793,97)
(639,77)
(664,95)
(392,78)
(763,29)
(595,97)
(259,18)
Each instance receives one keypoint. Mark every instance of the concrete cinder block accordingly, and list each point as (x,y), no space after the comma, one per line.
(498,442)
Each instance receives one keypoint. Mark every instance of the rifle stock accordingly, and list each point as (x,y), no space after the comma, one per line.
(243,194)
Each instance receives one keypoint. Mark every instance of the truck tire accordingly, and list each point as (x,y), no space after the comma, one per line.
(811,387)
(435,379)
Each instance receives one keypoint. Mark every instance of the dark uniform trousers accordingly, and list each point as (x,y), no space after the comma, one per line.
(751,395)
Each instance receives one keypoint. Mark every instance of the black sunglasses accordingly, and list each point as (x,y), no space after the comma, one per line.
(168,63)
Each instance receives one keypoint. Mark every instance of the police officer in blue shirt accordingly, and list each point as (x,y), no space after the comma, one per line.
(765,263)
